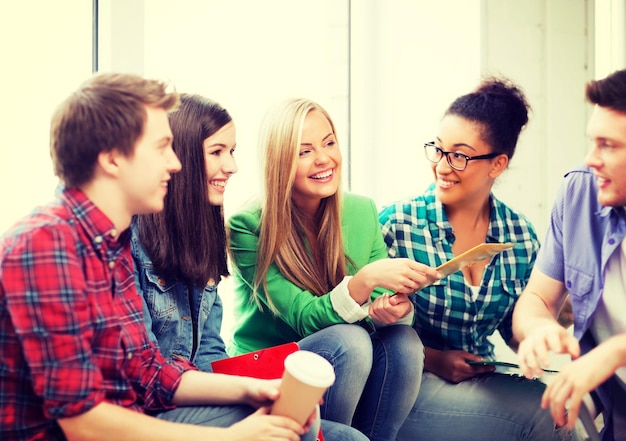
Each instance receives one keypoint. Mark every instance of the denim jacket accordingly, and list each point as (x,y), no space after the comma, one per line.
(172,310)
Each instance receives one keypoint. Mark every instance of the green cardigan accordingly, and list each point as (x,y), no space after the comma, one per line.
(299,312)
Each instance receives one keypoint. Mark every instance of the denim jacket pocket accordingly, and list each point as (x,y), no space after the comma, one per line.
(158,296)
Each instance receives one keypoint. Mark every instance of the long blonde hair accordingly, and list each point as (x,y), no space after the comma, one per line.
(282,224)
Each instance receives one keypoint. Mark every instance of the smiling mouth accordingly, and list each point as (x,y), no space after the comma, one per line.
(601,181)
(445,184)
(323,175)
(220,184)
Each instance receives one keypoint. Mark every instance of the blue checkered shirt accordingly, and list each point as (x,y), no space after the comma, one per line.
(446,315)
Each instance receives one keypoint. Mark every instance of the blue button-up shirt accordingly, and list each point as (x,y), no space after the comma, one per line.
(582,236)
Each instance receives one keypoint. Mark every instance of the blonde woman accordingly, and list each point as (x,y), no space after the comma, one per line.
(310,265)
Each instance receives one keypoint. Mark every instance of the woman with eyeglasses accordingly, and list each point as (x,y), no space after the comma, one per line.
(456,315)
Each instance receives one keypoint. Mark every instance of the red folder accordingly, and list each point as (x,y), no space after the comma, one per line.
(266,363)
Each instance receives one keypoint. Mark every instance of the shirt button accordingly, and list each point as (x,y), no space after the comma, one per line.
(161,282)
(111,264)
(129,355)
(185,317)
(97,239)
(113,232)
(611,241)
(569,283)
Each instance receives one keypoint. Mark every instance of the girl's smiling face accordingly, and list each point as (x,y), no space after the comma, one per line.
(457,134)
(319,163)
(220,162)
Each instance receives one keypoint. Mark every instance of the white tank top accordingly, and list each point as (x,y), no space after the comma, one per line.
(610,316)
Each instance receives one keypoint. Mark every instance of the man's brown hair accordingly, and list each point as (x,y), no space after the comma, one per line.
(609,92)
(108,111)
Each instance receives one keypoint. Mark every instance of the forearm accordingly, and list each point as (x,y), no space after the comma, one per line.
(432,360)
(539,304)
(107,421)
(361,286)
(529,313)
(614,351)
(198,387)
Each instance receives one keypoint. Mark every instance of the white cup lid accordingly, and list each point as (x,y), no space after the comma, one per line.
(310,368)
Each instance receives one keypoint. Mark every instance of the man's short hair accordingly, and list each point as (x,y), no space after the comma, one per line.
(108,111)
(609,92)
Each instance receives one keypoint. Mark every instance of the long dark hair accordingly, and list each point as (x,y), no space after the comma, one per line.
(187,240)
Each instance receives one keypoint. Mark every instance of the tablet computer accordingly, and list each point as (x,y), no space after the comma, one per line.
(505,364)
(471,256)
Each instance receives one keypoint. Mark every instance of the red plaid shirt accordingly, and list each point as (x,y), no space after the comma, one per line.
(71,323)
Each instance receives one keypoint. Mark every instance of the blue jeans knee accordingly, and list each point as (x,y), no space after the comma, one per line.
(349,349)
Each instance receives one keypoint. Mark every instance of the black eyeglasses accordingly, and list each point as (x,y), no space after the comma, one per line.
(457,161)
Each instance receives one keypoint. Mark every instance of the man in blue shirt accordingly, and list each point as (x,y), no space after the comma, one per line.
(584,255)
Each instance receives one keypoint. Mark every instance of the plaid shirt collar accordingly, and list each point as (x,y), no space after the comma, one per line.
(97,225)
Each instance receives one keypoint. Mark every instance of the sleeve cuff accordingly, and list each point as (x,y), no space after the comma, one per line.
(344,305)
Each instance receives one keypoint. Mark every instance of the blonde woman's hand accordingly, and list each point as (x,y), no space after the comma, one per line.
(400,275)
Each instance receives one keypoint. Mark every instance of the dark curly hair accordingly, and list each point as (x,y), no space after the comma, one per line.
(500,108)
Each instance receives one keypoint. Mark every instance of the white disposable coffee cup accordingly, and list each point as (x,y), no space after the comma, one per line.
(306,378)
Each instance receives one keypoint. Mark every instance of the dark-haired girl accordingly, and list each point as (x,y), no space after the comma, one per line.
(456,315)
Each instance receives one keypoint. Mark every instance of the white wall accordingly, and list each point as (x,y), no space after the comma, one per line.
(545,46)
(410,59)
(45,48)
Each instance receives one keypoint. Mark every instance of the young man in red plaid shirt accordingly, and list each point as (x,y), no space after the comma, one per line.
(75,359)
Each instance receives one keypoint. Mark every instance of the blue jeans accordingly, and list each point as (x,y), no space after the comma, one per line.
(487,407)
(225,416)
(377,376)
